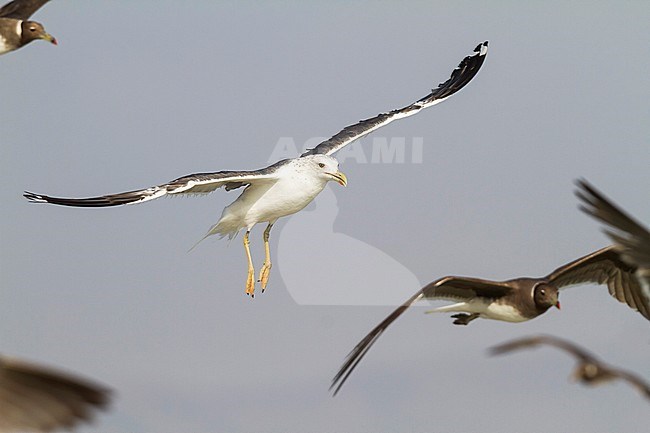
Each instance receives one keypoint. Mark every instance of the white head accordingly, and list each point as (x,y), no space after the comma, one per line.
(326,167)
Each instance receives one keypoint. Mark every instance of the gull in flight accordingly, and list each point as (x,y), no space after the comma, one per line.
(589,370)
(515,300)
(284,187)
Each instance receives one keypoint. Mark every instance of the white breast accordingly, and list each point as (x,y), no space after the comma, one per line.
(506,313)
(487,310)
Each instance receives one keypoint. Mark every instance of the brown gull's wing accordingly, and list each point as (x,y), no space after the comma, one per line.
(632,238)
(641,385)
(21,9)
(36,398)
(605,266)
(529,342)
(451,288)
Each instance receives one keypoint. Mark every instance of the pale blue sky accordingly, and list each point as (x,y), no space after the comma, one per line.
(139,93)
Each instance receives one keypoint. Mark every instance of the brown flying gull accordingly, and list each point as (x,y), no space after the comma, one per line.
(15,28)
(285,187)
(589,369)
(629,236)
(34,398)
(515,300)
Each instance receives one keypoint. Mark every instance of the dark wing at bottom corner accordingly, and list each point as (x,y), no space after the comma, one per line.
(35,398)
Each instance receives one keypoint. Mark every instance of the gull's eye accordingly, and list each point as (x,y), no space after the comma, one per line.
(32,29)
(543,292)
(321,165)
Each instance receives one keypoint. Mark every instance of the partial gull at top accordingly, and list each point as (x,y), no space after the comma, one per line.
(282,188)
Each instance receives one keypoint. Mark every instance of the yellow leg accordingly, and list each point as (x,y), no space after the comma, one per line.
(266,267)
(250,280)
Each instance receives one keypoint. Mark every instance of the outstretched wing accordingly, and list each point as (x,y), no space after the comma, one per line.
(630,237)
(199,183)
(605,266)
(465,289)
(359,351)
(456,288)
(460,76)
(21,9)
(33,398)
(528,342)
(641,385)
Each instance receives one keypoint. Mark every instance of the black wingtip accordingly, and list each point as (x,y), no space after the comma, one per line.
(34,198)
(582,183)
(588,195)
(480,47)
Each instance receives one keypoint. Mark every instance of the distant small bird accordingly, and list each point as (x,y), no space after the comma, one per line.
(629,236)
(515,300)
(285,187)
(15,29)
(35,398)
(589,369)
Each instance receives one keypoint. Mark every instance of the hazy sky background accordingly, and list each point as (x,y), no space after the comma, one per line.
(141,92)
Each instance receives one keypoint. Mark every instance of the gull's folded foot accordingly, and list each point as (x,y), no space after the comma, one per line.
(464,319)
(250,283)
(266,267)
(250,279)
(264,275)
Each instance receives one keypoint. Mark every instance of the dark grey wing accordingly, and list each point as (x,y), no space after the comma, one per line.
(199,183)
(605,266)
(528,342)
(33,398)
(21,9)
(463,74)
(631,238)
(359,351)
(634,380)
(444,288)
(465,289)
